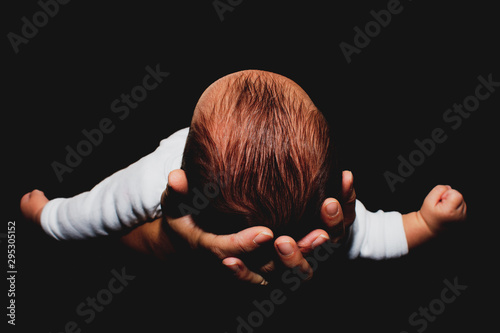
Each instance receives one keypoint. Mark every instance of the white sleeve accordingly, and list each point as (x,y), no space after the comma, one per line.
(377,235)
(126,198)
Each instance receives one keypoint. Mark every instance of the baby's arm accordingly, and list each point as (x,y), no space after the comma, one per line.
(376,235)
(384,235)
(123,200)
(442,206)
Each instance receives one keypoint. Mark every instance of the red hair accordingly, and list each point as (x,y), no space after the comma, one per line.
(269,151)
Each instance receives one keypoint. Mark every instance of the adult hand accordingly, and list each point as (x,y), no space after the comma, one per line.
(223,246)
(229,247)
(336,217)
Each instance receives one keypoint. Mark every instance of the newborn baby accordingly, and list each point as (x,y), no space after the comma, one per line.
(260,142)
(258,152)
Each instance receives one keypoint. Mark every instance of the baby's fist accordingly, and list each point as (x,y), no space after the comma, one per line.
(32,204)
(442,206)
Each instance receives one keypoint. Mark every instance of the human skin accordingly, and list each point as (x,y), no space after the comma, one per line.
(152,238)
(442,206)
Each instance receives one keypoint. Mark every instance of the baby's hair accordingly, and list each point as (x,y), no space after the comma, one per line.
(268,150)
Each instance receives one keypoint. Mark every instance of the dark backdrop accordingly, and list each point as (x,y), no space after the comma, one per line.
(396,89)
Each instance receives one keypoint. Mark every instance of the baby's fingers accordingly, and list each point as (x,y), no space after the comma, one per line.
(454,204)
(32,204)
(453,198)
(436,194)
(448,204)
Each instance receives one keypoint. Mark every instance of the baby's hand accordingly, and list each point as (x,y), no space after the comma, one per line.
(32,204)
(442,206)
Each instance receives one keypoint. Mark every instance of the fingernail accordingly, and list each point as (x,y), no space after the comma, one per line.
(332,209)
(318,241)
(285,248)
(232,265)
(262,238)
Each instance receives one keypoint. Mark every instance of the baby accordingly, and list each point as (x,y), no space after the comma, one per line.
(258,153)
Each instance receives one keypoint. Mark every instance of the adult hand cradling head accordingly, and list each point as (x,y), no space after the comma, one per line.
(262,153)
(291,253)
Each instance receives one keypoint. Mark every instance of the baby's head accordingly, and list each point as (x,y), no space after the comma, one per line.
(263,151)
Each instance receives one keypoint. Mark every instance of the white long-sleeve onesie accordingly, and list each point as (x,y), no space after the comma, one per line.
(132,196)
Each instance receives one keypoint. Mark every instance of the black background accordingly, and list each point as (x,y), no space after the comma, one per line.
(394,91)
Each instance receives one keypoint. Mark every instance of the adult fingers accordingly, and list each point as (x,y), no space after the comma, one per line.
(292,257)
(175,194)
(312,240)
(242,272)
(348,197)
(222,246)
(236,244)
(186,229)
(333,217)
(178,181)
